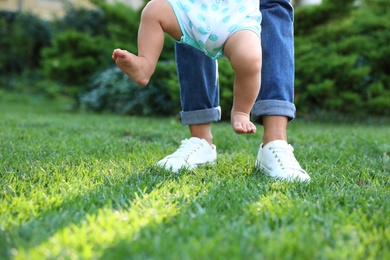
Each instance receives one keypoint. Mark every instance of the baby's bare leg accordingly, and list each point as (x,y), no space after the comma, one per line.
(157,17)
(243,49)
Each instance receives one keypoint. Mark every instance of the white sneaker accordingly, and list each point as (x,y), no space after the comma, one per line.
(192,152)
(277,160)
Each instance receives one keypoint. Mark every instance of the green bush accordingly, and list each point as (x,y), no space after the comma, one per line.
(342,58)
(112,91)
(22,38)
(160,97)
(74,58)
(342,62)
(121,22)
(83,43)
(307,18)
(226,80)
(166,72)
(90,21)
(82,48)
(32,83)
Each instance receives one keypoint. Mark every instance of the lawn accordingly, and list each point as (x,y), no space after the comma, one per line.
(85,186)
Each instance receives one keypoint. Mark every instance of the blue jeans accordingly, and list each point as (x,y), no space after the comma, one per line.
(198,74)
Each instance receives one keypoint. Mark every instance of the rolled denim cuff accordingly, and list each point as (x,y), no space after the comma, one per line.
(272,108)
(202,116)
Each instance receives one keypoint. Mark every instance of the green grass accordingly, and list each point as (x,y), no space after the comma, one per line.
(83,186)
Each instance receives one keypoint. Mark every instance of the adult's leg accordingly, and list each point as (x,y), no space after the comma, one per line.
(199,96)
(274,106)
(199,91)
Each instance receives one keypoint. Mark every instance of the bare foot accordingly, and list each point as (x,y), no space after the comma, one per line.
(136,68)
(241,123)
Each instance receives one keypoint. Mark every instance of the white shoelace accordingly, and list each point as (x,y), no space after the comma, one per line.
(286,158)
(186,148)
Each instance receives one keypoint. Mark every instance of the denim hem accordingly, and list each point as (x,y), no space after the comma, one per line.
(272,108)
(202,116)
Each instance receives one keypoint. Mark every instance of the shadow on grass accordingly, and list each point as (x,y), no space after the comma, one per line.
(223,196)
(212,225)
(74,209)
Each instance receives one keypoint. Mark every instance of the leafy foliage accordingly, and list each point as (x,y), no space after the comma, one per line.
(22,38)
(121,23)
(73,58)
(113,91)
(90,21)
(226,78)
(342,61)
(342,57)
(80,58)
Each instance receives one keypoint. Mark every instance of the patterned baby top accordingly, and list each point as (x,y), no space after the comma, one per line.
(207,24)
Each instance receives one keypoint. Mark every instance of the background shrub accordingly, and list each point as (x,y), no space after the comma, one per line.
(73,58)
(90,21)
(226,80)
(113,91)
(22,38)
(161,96)
(79,50)
(343,60)
(84,41)
(121,23)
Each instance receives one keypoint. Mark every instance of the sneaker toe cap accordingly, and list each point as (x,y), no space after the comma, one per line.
(300,176)
(172,164)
